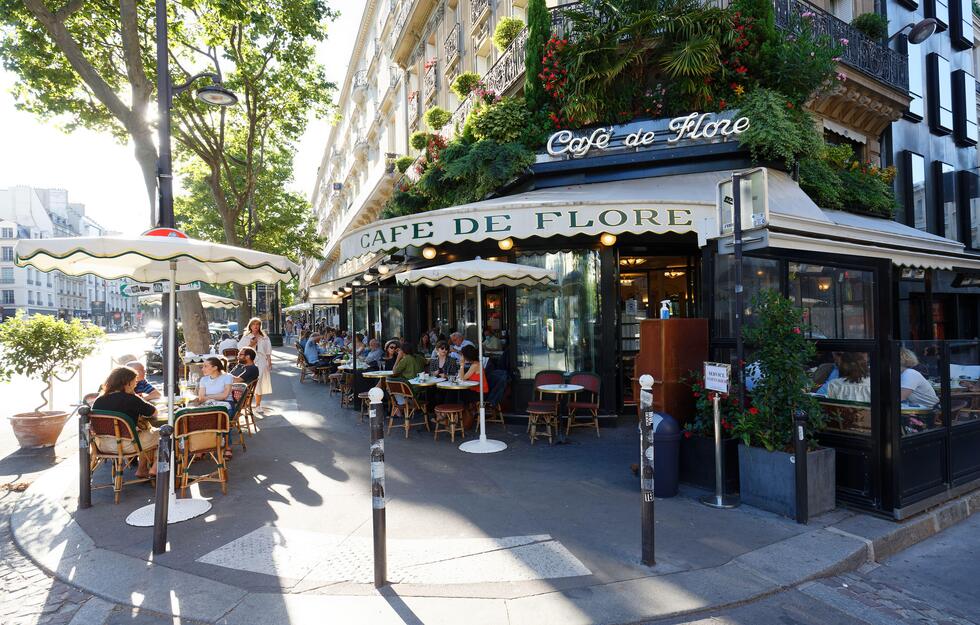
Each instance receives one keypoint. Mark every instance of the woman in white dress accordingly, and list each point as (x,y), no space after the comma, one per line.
(255,338)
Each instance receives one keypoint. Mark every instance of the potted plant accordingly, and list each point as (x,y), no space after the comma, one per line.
(42,347)
(767,474)
(697,462)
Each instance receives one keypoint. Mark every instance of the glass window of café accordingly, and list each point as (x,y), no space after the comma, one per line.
(558,326)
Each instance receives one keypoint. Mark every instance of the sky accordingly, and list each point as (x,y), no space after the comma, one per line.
(102,173)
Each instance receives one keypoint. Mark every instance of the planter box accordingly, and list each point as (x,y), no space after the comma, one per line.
(698,462)
(767,480)
(38,429)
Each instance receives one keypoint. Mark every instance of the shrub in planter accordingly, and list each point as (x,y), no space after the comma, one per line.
(437,117)
(778,129)
(506,31)
(697,462)
(871,24)
(464,84)
(782,354)
(402,163)
(42,347)
(418,140)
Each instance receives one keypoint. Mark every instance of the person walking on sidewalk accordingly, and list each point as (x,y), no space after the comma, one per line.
(255,338)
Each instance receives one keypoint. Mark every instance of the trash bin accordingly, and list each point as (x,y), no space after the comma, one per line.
(666,454)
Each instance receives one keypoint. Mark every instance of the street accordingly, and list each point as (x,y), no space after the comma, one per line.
(932,582)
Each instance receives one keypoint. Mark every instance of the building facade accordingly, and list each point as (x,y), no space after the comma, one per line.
(630,228)
(27,212)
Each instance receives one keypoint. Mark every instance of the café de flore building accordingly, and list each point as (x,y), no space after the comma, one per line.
(628,217)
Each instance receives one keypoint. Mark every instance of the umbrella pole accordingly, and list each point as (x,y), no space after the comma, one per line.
(171,360)
(479,342)
(481,445)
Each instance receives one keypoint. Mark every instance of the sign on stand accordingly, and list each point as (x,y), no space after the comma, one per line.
(754,205)
(717,376)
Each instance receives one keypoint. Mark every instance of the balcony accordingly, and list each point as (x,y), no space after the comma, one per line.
(408,26)
(861,53)
(360,87)
(479,11)
(452,46)
(875,93)
(430,82)
(509,68)
(481,38)
(413,111)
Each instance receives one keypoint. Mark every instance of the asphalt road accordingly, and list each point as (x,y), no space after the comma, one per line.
(932,582)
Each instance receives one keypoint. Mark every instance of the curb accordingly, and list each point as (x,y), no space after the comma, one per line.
(50,537)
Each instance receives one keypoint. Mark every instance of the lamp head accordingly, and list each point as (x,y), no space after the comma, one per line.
(922,30)
(216,95)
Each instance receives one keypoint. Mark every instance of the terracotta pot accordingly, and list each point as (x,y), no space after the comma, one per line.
(38,429)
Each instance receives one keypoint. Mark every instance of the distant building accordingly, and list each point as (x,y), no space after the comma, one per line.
(27,212)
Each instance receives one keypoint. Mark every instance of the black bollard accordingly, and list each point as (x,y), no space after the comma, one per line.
(377,420)
(647,518)
(799,445)
(162,504)
(84,460)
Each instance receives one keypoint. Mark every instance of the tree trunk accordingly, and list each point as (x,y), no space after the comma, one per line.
(146,155)
(244,310)
(196,333)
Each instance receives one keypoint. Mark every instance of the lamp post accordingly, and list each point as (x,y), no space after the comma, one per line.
(215,95)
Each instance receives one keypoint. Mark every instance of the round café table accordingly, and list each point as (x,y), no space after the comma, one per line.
(426,385)
(462,385)
(561,390)
(377,374)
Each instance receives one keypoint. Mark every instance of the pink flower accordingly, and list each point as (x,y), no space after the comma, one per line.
(844,41)
(841,76)
(796,330)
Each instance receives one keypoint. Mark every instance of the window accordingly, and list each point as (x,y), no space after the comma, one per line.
(946,199)
(969,200)
(915,191)
(964,108)
(8,297)
(837,303)
(920,363)
(842,383)
(961,24)
(916,82)
(939,10)
(50,301)
(6,233)
(30,297)
(940,94)
(7,275)
(7,253)
(758,274)
(49,279)
(558,328)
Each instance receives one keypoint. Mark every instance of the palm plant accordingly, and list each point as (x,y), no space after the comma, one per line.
(689,50)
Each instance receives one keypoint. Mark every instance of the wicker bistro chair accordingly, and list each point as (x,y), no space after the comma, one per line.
(449,418)
(305,367)
(398,387)
(347,389)
(231,356)
(242,394)
(120,453)
(335,380)
(542,412)
(197,431)
(586,400)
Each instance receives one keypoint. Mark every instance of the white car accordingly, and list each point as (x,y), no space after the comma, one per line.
(154,329)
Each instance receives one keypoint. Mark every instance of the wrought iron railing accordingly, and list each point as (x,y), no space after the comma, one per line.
(477,8)
(860,52)
(413,110)
(452,45)
(396,31)
(509,67)
(430,82)
(482,32)
(360,79)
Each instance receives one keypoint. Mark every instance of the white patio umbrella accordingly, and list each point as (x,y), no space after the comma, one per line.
(166,255)
(301,307)
(208,300)
(479,273)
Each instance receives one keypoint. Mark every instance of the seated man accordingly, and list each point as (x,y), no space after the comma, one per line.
(246,371)
(226,343)
(374,355)
(144,389)
(313,352)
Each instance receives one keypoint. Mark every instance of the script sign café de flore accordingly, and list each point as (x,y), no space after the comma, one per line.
(486,220)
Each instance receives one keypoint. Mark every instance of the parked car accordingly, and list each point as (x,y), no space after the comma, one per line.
(154,328)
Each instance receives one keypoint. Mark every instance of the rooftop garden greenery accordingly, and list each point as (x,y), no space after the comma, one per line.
(648,59)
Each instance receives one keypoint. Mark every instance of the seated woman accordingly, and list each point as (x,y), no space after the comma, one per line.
(409,365)
(214,389)
(119,395)
(390,356)
(442,365)
(854,379)
(473,372)
(916,389)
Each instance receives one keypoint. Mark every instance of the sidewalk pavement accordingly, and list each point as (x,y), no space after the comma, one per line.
(534,534)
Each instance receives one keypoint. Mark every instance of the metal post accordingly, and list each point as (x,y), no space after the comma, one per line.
(719,499)
(799,458)
(84,460)
(377,414)
(646,470)
(739,367)
(160,510)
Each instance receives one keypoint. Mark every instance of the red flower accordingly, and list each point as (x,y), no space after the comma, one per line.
(696,394)
(687,434)
(796,330)
(753,410)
